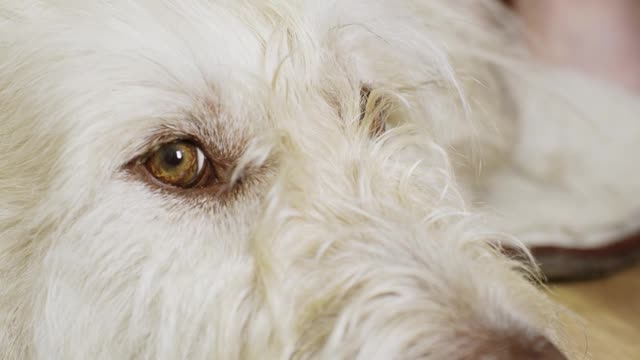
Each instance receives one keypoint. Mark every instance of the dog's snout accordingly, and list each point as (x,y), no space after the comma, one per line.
(520,348)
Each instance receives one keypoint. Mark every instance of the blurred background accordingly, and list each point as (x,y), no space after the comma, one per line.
(600,38)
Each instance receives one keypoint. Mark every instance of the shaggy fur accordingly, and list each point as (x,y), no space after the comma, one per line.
(331,241)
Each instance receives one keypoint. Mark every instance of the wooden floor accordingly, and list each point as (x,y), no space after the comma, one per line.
(611,311)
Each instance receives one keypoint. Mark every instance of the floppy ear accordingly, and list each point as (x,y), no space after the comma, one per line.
(569,189)
(548,151)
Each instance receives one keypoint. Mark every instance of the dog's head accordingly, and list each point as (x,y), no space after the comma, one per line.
(246,180)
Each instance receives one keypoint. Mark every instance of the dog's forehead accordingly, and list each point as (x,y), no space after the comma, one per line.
(124,67)
(186,46)
(113,72)
(159,43)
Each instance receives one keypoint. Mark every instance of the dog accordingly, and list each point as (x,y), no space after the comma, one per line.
(253,179)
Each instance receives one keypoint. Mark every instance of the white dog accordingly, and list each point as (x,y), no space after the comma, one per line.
(254,179)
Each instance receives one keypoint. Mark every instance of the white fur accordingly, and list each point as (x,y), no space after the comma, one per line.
(572,179)
(343,246)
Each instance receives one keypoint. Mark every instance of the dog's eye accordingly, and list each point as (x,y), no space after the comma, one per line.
(180,164)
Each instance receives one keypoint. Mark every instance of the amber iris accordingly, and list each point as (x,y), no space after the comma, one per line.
(179,163)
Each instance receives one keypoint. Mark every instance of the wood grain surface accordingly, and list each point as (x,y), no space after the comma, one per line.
(610,312)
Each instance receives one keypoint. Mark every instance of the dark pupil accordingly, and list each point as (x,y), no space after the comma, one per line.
(172,156)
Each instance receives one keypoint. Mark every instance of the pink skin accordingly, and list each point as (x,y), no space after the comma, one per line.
(600,37)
